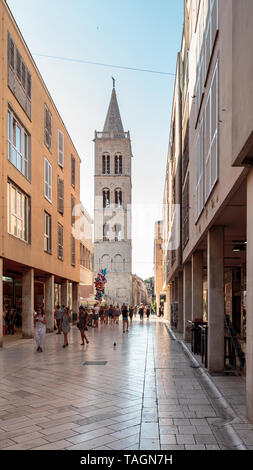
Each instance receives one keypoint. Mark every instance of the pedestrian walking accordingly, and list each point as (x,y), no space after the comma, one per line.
(124,311)
(131,313)
(40,329)
(82,324)
(117,314)
(148,312)
(111,314)
(106,314)
(58,318)
(101,314)
(66,326)
(141,312)
(95,316)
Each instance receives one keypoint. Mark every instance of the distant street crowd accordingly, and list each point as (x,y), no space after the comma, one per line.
(88,317)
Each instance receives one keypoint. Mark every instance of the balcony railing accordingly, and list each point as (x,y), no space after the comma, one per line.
(112,135)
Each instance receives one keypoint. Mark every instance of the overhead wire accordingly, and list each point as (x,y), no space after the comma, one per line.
(89,62)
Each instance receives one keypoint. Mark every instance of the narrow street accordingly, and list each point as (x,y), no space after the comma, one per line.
(146,396)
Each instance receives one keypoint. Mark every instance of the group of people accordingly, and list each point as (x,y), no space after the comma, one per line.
(107,314)
(63,322)
(12,319)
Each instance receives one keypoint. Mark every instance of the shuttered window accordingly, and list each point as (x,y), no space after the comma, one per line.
(200,171)
(60,190)
(60,148)
(47,180)
(73,171)
(19,77)
(60,242)
(73,251)
(48,128)
(73,204)
(211,135)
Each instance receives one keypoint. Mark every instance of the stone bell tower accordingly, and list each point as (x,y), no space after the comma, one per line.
(113,198)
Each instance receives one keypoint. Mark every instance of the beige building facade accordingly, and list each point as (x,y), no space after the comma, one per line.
(213,280)
(140,292)
(40,190)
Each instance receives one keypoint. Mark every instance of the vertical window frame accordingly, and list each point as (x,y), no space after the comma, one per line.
(48,180)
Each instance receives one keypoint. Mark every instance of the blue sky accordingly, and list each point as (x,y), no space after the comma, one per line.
(135,33)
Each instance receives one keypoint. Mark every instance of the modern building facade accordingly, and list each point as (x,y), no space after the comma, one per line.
(213,282)
(40,190)
(113,198)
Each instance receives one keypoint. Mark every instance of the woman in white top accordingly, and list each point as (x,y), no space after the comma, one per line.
(40,329)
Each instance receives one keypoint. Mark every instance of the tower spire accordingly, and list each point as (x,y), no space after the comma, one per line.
(113,121)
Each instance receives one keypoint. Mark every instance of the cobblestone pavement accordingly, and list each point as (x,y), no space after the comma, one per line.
(147,395)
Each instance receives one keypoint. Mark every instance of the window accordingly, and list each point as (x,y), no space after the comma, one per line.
(18,213)
(118,197)
(117,229)
(73,250)
(211,135)
(60,242)
(118,164)
(185,213)
(60,148)
(106,198)
(200,170)
(47,180)
(60,197)
(185,152)
(106,232)
(19,144)
(47,233)
(106,165)
(73,171)
(19,77)
(73,204)
(118,264)
(85,257)
(211,32)
(48,128)
(82,256)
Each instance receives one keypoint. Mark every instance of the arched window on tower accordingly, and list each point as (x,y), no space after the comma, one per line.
(118,197)
(106,167)
(118,164)
(106,232)
(118,264)
(106,198)
(118,236)
(105,262)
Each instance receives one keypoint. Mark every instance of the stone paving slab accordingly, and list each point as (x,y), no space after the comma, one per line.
(147,396)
